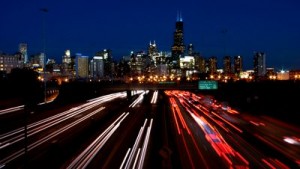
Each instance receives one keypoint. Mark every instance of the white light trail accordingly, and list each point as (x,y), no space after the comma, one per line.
(135,157)
(17,135)
(12,109)
(48,137)
(84,158)
(145,146)
(125,158)
(154,97)
(138,100)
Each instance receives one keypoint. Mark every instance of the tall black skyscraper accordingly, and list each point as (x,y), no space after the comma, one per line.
(178,45)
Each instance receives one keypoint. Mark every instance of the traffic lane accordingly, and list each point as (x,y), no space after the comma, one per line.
(16,117)
(229,155)
(43,152)
(192,144)
(276,134)
(55,119)
(233,124)
(113,152)
(255,157)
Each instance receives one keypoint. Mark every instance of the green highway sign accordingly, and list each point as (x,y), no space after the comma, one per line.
(207,85)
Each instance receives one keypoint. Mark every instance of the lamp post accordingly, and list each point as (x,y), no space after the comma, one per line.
(224,32)
(44,11)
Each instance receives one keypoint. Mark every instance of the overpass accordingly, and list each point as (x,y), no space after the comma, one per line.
(152,86)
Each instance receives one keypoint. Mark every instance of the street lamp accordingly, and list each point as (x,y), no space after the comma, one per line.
(44,11)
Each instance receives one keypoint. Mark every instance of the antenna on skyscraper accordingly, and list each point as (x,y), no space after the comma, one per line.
(180,17)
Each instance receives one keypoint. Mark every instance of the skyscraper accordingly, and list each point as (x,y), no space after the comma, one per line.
(178,45)
(66,63)
(82,66)
(67,57)
(106,54)
(259,64)
(212,65)
(238,64)
(152,49)
(227,64)
(200,64)
(97,67)
(23,51)
(41,60)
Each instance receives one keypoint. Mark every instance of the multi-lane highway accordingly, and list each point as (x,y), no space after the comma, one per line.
(165,129)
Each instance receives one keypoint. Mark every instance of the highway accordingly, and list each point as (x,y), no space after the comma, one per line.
(152,129)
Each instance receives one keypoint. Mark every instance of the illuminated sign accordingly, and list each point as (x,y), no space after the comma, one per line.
(166,83)
(207,85)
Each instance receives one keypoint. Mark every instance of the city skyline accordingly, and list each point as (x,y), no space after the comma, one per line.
(214,28)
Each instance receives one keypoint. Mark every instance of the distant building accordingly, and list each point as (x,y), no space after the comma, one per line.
(37,60)
(153,53)
(66,59)
(212,65)
(187,65)
(82,66)
(178,47)
(294,75)
(97,67)
(160,67)
(67,63)
(200,64)
(283,75)
(106,54)
(237,65)
(227,65)
(187,62)
(190,50)
(161,70)
(271,74)
(136,63)
(23,51)
(247,75)
(152,49)
(259,65)
(8,62)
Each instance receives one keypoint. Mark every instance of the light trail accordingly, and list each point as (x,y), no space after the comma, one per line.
(17,135)
(135,146)
(145,146)
(12,109)
(85,157)
(175,110)
(257,158)
(230,156)
(274,163)
(48,137)
(227,122)
(154,97)
(139,99)
(125,158)
(135,157)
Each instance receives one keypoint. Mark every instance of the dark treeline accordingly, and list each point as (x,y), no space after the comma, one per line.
(21,86)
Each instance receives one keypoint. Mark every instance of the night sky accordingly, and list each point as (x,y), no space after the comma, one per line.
(214,27)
